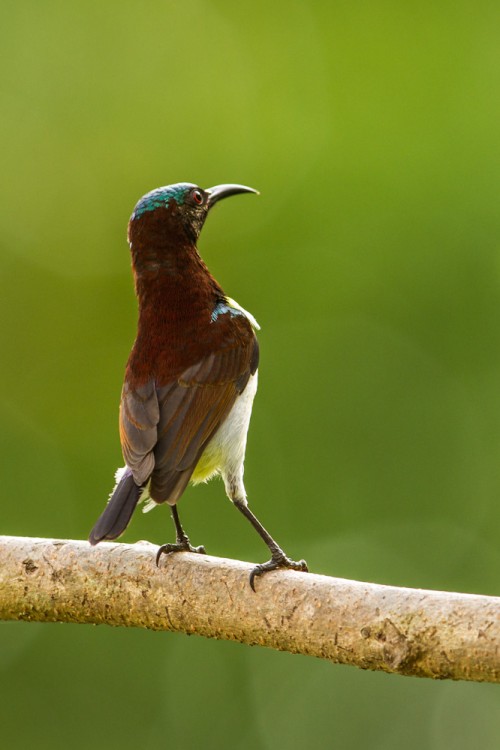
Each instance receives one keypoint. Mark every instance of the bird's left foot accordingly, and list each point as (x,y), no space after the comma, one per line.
(182,545)
(278,560)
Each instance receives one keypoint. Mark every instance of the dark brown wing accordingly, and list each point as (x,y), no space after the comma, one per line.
(164,429)
(139,417)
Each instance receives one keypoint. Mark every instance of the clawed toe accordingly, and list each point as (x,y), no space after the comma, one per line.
(278,560)
(182,546)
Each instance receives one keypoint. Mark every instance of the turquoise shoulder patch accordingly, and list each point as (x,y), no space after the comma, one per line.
(228,305)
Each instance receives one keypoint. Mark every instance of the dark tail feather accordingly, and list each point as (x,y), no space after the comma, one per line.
(116,515)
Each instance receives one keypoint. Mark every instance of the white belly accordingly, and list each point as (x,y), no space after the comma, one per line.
(225,454)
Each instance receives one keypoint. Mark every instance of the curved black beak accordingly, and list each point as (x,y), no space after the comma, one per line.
(224,191)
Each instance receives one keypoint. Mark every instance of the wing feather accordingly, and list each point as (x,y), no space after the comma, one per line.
(165,428)
(139,416)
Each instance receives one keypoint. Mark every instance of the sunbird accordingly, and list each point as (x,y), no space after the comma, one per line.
(191,377)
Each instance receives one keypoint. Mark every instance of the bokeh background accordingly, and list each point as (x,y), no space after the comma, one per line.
(372,262)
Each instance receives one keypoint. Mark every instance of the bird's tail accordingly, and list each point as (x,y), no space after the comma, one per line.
(116,515)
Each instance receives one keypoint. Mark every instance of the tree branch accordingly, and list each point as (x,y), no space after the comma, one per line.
(406,631)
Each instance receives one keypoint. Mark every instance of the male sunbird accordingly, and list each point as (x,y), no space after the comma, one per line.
(191,376)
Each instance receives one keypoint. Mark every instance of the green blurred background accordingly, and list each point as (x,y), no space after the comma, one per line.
(371,261)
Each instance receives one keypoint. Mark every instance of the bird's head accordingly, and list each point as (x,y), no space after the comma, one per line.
(176,213)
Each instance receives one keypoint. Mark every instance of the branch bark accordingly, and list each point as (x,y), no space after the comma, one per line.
(406,631)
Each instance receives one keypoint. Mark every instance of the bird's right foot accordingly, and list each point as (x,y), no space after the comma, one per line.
(182,545)
(278,560)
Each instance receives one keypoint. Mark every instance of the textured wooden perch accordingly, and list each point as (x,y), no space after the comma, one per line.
(406,631)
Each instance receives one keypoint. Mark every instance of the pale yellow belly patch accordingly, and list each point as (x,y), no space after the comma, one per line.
(207,466)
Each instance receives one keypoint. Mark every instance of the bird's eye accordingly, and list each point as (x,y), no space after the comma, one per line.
(198,197)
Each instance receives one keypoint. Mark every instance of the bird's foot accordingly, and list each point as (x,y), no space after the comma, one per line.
(181,545)
(278,560)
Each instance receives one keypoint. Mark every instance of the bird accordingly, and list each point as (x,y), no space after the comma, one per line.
(191,376)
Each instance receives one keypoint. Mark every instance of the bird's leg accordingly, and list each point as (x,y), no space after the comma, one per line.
(278,557)
(182,543)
